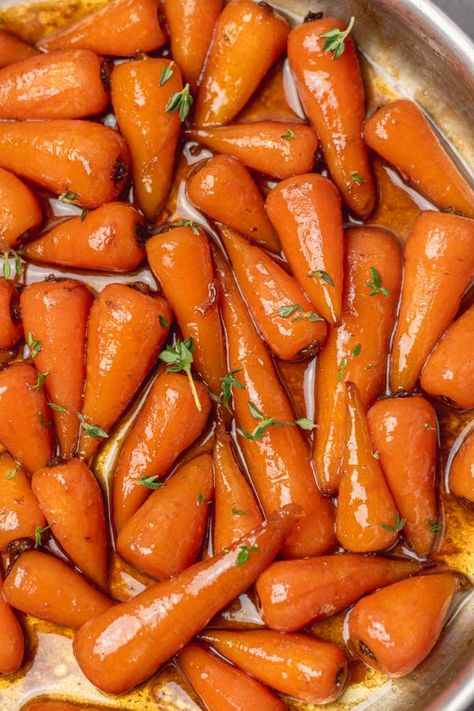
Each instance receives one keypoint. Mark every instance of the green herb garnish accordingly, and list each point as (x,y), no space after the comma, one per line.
(244,554)
(40,381)
(375,283)
(289,135)
(399,524)
(90,429)
(33,344)
(180,358)
(150,482)
(334,40)
(181,102)
(322,275)
(166,74)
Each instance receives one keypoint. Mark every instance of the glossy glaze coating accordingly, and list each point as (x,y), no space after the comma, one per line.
(12,641)
(19,510)
(12,49)
(10,324)
(20,210)
(461,473)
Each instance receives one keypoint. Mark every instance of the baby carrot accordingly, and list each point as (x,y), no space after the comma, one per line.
(89,163)
(461,473)
(13,49)
(439,264)
(10,324)
(248,38)
(20,514)
(12,640)
(21,210)
(224,189)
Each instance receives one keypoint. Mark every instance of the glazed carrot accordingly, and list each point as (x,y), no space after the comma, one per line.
(357,350)
(191,24)
(299,665)
(449,371)
(107,239)
(61,85)
(168,423)
(24,416)
(439,264)
(165,535)
(46,587)
(222,686)
(20,514)
(294,593)
(411,615)
(12,640)
(366,516)
(89,161)
(461,473)
(306,213)
(236,511)
(141,94)
(120,29)
(13,49)
(56,313)
(120,319)
(156,624)
(10,325)
(248,38)
(280,308)
(403,432)
(332,93)
(277,457)
(181,261)
(20,212)
(71,501)
(224,189)
(278,149)
(402,135)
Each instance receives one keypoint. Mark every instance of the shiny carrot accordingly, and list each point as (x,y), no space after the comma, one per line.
(402,135)
(13,49)
(449,371)
(56,313)
(89,162)
(119,29)
(280,150)
(356,350)
(107,239)
(224,189)
(164,536)
(277,456)
(281,310)
(168,423)
(299,665)
(306,213)
(12,639)
(294,593)
(20,513)
(248,38)
(24,414)
(439,264)
(44,586)
(461,473)
(121,317)
(71,501)
(330,87)
(21,210)
(10,324)
(156,624)
(395,628)
(182,257)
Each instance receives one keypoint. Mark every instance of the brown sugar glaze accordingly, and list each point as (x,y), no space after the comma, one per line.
(50,671)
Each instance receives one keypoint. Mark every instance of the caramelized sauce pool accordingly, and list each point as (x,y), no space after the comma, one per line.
(51,671)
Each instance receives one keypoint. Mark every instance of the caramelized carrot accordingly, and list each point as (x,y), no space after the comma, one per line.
(279,306)
(306,213)
(449,371)
(20,514)
(164,536)
(461,473)
(274,148)
(294,593)
(191,24)
(439,264)
(13,49)
(10,325)
(403,432)
(71,500)
(332,93)
(182,258)
(299,665)
(248,38)
(402,135)
(12,639)
(224,189)
(167,424)
(107,239)
(222,686)
(120,29)
(24,415)
(357,350)
(277,457)
(85,159)
(46,587)
(395,628)
(141,94)
(156,624)
(56,313)
(21,212)
(121,317)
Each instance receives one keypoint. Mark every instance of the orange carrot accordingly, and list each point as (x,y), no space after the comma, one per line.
(10,325)
(13,49)
(461,473)
(21,212)
(12,640)
(20,514)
